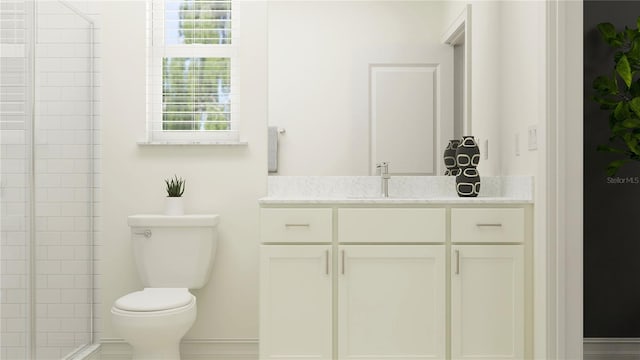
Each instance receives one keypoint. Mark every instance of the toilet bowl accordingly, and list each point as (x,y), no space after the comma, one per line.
(173,254)
(154,320)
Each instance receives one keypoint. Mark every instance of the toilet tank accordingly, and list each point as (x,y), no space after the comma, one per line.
(174,251)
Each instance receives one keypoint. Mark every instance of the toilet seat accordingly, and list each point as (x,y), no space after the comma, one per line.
(154,320)
(154,300)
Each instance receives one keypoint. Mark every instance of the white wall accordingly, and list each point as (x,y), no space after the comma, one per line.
(522,82)
(319,57)
(222,180)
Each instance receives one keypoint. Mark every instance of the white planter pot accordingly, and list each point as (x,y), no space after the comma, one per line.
(174,206)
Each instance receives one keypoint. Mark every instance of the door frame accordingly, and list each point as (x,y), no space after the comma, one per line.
(563,164)
(460,32)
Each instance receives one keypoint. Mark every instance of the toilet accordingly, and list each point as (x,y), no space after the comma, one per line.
(172,254)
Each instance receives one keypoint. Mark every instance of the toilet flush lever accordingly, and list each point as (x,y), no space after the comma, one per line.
(146,233)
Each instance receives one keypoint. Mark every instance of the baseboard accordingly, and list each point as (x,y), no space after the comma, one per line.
(89,352)
(191,349)
(114,349)
(611,349)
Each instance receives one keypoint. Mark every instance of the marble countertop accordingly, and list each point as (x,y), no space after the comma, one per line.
(403,190)
(391,201)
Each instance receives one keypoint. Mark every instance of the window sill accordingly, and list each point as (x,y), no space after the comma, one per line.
(193,143)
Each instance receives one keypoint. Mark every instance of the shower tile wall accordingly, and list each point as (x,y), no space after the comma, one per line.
(14,117)
(65,180)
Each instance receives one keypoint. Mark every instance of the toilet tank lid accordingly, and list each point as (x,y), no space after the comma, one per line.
(155,299)
(155,220)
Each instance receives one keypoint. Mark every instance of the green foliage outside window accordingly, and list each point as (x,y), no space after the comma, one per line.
(205,22)
(196,91)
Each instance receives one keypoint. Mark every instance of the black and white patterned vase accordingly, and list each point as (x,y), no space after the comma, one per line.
(468,182)
(450,158)
(467,159)
(467,153)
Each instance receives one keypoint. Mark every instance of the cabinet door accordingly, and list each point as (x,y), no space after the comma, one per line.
(487,302)
(295,302)
(391,302)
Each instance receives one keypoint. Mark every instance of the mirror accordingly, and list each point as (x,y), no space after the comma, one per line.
(457,36)
(353,83)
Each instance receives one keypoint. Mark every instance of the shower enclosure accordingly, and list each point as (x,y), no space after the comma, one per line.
(48,178)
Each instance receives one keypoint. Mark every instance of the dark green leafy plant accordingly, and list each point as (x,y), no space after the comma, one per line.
(620,94)
(175,186)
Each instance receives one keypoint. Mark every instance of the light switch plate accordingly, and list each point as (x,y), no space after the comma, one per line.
(532,137)
(485,149)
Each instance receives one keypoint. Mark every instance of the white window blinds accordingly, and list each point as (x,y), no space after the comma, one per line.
(192,71)
(197,22)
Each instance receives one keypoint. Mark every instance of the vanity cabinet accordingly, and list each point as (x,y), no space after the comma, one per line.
(487,302)
(391,302)
(391,298)
(298,226)
(487,283)
(355,282)
(295,302)
(487,225)
(296,286)
(388,225)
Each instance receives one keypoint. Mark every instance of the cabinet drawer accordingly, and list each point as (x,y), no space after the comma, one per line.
(391,225)
(487,225)
(295,225)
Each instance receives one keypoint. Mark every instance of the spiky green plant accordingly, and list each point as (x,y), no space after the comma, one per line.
(175,186)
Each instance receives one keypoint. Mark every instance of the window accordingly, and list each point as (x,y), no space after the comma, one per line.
(192,83)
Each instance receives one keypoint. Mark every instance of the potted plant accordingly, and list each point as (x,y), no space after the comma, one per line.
(175,189)
(619,93)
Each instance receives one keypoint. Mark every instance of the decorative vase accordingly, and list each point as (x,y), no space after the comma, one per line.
(467,153)
(450,158)
(468,182)
(467,159)
(174,206)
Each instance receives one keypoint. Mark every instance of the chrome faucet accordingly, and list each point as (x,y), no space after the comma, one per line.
(382,169)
